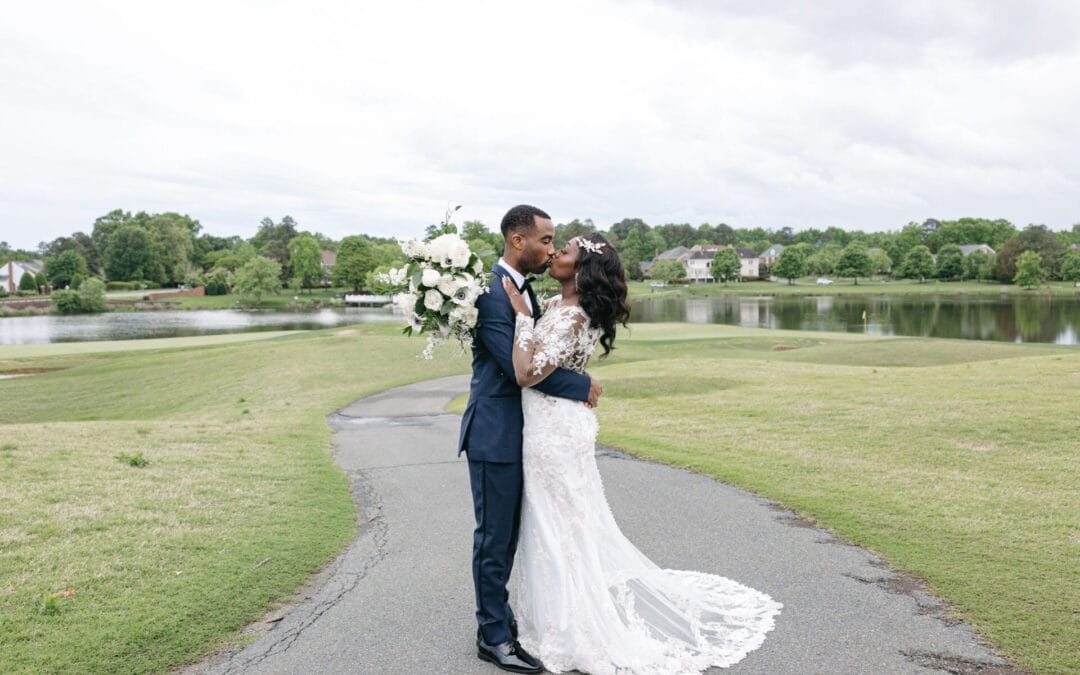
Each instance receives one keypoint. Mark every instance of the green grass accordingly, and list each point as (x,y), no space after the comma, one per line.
(953,460)
(165,558)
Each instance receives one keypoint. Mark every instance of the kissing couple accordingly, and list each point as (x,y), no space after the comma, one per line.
(587,598)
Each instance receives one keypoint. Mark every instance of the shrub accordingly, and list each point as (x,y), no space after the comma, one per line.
(121,286)
(28,283)
(66,302)
(218,283)
(92,295)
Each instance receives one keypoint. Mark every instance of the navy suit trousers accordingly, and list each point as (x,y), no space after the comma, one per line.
(496,489)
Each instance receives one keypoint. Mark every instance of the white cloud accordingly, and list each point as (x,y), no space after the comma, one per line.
(371,117)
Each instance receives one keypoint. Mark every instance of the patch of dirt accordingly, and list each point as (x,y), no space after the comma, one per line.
(784,348)
(346,332)
(958,665)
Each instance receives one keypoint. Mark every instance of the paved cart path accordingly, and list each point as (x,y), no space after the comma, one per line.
(399,600)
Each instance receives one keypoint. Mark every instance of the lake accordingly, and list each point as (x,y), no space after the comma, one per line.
(21,330)
(1009,318)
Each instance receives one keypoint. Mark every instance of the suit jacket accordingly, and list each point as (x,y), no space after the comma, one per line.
(491,427)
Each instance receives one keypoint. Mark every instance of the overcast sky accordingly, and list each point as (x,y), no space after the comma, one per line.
(372,117)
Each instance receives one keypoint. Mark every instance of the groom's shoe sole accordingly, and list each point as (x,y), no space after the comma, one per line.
(484,656)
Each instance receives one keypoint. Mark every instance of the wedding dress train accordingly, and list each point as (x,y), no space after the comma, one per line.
(588,599)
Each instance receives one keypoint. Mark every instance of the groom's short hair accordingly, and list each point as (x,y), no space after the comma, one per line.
(521,217)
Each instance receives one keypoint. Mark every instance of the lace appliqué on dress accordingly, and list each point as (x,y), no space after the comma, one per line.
(588,599)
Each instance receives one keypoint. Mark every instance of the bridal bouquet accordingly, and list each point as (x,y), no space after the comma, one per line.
(438,288)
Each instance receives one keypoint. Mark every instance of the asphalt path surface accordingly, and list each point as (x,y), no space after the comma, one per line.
(400,599)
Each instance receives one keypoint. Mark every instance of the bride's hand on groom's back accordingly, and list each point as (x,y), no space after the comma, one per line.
(595,389)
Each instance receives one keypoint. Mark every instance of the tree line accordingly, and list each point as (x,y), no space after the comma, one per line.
(169,249)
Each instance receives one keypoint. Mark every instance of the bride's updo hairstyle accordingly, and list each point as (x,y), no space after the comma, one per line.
(601,285)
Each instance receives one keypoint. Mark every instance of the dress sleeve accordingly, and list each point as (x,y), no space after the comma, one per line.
(539,350)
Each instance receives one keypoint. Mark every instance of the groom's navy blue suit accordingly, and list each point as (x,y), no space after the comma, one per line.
(491,437)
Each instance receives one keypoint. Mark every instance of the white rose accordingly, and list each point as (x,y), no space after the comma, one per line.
(439,247)
(449,285)
(430,278)
(459,254)
(433,300)
(479,266)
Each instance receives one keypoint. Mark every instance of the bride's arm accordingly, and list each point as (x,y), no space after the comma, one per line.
(538,352)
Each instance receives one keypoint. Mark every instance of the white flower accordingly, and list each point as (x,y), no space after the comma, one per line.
(465,294)
(430,278)
(415,249)
(416,322)
(433,300)
(449,285)
(406,301)
(397,276)
(466,315)
(459,254)
(479,266)
(439,247)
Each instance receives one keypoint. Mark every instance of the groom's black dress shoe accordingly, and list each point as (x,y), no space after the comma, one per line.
(509,656)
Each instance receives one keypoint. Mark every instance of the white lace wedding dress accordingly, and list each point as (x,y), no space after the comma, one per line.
(587,598)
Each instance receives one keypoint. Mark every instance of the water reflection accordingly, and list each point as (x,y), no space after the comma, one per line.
(174,323)
(1010,318)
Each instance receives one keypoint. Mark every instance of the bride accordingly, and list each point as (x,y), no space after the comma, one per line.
(587,598)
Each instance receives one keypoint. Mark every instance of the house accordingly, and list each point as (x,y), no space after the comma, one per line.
(750,263)
(770,255)
(699,265)
(968,249)
(329,259)
(678,254)
(13,270)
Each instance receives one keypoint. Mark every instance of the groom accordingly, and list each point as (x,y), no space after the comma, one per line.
(491,433)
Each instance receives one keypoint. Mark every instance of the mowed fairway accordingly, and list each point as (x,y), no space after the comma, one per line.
(953,460)
(239,503)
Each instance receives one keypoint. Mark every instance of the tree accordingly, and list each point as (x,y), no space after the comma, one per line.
(950,262)
(1048,245)
(854,262)
(1029,270)
(92,295)
(977,265)
(258,277)
(824,260)
(791,264)
(668,270)
(354,261)
(918,264)
(28,282)
(173,242)
(64,268)
(1070,266)
(306,258)
(726,265)
(575,228)
(880,262)
(129,255)
(1005,260)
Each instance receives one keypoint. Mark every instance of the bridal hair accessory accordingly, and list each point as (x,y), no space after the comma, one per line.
(590,246)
